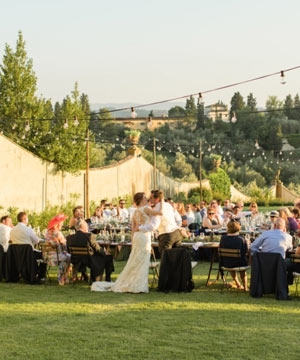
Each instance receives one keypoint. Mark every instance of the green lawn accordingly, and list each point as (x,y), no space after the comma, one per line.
(52,322)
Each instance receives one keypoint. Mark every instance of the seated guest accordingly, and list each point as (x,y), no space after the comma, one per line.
(61,258)
(292,219)
(226,204)
(78,213)
(292,267)
(5,228)
(254,210)
(220,209)
(97,216)
(273,216)
(211,221)
(214,205)
(236,212)
(274,241)
(177,216)
(233,240)
(190,216)
(198,218)
(23,234)
(296,215)
(227,216)
(122,212)
(107,212)
(98,259)
(203,210)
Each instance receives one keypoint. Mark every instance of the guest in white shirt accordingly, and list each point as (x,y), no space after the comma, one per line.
(107,212)
(122,212)
(22,234)
(5,228)
(190,216)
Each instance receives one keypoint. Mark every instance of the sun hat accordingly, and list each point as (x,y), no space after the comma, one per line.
(274,213)
(56,220)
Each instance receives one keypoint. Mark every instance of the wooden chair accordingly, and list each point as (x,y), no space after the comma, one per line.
(153,267)
(295,259)
(47,248)
(79,257)
(229,253)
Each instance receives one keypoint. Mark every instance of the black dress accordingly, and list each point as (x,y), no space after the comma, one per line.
(234,242)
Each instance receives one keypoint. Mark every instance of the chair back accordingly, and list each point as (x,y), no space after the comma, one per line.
(47,247)
(295,258)
(78,250)
(229,253)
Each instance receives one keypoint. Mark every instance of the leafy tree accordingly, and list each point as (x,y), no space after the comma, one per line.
(180,168)
(273,103)
(237,104)
(190,107)
(176,111)
(251,102)
(200,116)
(296,112)
(220,183)
(18,86)
(288,105)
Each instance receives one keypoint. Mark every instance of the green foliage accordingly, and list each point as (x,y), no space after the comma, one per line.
(194,195)
(220,183)
(132,132)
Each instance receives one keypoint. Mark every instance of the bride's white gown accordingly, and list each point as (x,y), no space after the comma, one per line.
(134,277)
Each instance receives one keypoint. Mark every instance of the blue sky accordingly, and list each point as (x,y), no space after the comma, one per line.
(142,51)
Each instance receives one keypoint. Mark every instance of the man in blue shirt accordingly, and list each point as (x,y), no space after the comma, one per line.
(274,241)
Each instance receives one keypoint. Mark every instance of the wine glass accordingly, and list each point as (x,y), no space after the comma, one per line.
(247,237)
(202,236)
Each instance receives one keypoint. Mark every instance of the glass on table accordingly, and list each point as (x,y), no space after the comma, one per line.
(202,236)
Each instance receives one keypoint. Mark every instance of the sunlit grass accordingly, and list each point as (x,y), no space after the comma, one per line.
(52,322)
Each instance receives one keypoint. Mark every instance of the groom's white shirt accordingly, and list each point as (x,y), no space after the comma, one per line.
(164,224)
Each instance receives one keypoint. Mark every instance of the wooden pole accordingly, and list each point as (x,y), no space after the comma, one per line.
(87,215)
(154,161)
(200,168)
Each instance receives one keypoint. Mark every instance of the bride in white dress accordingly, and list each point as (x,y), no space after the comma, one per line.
(134,277)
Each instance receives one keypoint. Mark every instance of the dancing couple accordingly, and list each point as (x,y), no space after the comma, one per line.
(134,277)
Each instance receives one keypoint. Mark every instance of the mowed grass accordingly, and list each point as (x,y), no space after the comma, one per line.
(52,322)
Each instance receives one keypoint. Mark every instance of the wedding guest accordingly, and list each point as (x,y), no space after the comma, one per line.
(97,215)
(236,212)
(273,216)
(254,210)
(203,210)
(296,215)
(198,217)
(274,241)
(78,213)
(233,240)
(220,210)
(122,212)
(177,216)
(226,204)
(131,211)
(98,259)
(190,216)
(211,221)
(107,212)
(61,257)
(23,234)
(228,215)
(5,229)
(182,213)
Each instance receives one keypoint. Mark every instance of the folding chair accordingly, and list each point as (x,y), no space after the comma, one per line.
(295,259)
(79,257)
(154,265)
(229,253)
(47,248)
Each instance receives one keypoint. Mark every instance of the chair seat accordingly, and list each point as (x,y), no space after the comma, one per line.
(154,265)
(194,264)
(241,268)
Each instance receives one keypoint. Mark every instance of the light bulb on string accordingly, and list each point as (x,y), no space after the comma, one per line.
(234,118)
(256,144)
(282,78)
(14,126)
(200,99)
(27,126)
(280,153)
(133,113)
(253,154)
(291,153)
(66,125)
(76,122)
(23,137)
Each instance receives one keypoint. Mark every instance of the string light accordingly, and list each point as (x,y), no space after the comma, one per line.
(257,144)
(233,119)
(200,98)
(66,125)
(133,113)
(282,78)
(27,126)
(76,122)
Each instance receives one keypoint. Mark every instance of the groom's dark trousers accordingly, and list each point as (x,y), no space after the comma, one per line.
(169,240)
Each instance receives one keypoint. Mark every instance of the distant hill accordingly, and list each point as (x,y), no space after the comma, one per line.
(158,110)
